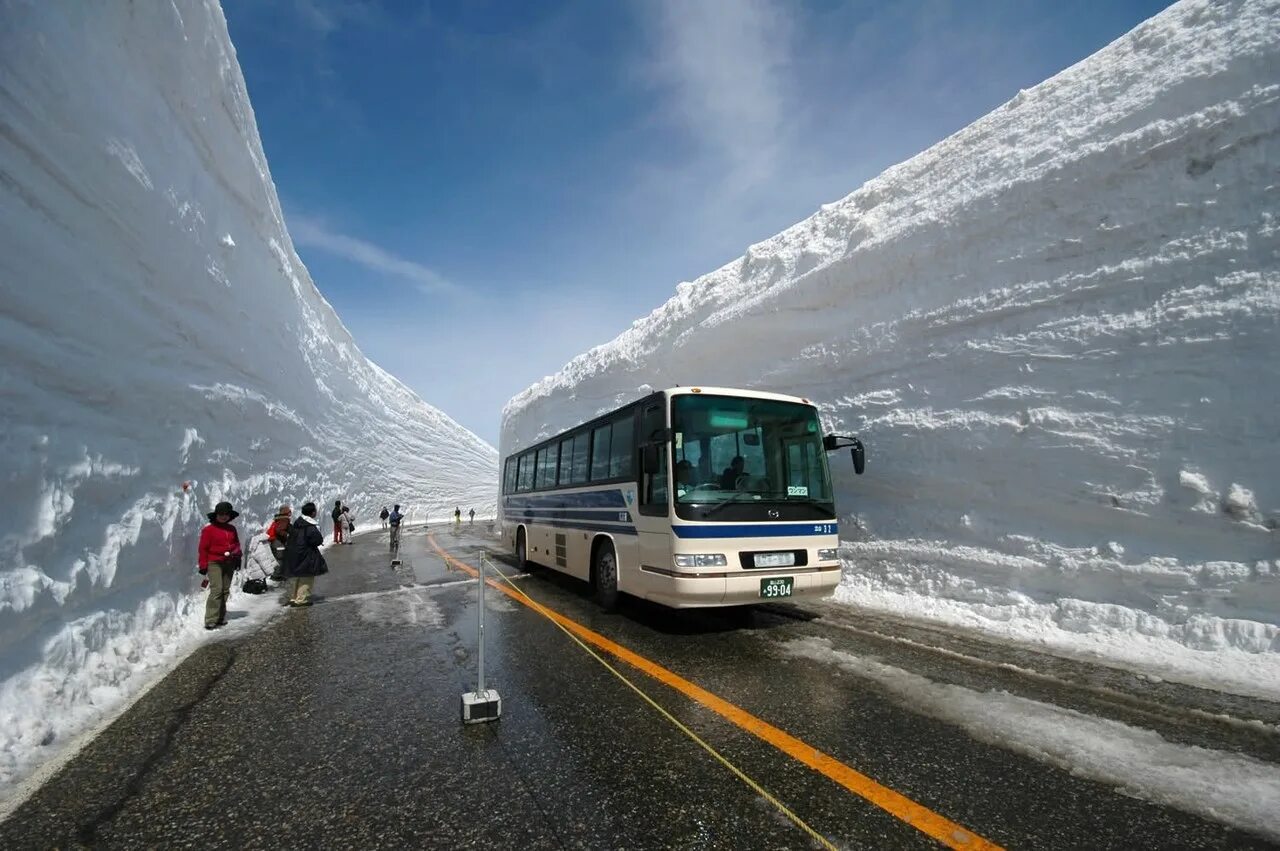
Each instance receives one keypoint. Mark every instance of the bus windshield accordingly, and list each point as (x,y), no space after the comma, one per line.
(737,450)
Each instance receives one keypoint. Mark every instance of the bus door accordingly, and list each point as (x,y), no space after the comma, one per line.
(653,523)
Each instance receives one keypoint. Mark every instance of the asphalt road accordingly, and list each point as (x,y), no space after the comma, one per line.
(338,726)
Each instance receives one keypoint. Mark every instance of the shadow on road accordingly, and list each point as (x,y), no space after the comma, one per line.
(669,621)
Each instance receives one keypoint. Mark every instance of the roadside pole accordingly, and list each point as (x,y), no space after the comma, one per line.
(482,704)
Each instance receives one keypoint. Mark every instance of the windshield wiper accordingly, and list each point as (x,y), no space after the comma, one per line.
(734,498)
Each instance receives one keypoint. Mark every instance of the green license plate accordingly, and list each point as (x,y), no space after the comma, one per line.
(780,587)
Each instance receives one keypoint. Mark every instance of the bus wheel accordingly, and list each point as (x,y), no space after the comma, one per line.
(606,577)
(522,551)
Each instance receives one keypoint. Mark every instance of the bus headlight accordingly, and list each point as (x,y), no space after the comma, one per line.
(701,560)
(831,554)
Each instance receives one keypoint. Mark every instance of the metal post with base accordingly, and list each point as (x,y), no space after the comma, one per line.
(482,704)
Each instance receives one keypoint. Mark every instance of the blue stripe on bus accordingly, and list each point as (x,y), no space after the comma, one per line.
(590,499)
(579,527)
(607,515)
(752,530)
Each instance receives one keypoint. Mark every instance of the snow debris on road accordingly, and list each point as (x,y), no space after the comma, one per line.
(1227,787)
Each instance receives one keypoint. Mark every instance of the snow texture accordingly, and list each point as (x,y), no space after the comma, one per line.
(164,348)
(1219,785)
(1056,331)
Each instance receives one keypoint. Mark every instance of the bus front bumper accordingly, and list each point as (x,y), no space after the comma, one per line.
(737,588)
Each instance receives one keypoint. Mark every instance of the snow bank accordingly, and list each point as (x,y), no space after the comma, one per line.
(157,328)
(1228,787)
(1056,331)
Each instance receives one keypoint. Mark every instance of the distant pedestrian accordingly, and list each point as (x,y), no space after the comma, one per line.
(457,515)
(219,557)
(336,514)
(383,516)
(277,535)
(350,517)
(303,561)
(471,516)
(395,518)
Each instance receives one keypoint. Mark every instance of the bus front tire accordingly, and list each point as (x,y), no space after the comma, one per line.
(605,575)
(522,551)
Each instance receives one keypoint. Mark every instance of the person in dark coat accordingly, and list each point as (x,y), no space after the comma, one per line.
(219,557)
(729,478)
(303,561)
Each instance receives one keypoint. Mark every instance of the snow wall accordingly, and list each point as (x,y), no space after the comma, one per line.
(158,328)
(1058,333)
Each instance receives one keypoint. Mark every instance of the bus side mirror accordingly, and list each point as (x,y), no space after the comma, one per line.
(859,452)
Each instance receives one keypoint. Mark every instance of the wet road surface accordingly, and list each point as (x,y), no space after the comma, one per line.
(338,726)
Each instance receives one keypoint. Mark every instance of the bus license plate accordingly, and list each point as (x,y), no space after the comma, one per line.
(780,587)
(774,559)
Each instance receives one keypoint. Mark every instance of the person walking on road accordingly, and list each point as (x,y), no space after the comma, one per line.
(303,561)
(277,534)
(219,557)
(471,516)
(457,515)
(349,518)
(336,514)
(383,516)
(394,519)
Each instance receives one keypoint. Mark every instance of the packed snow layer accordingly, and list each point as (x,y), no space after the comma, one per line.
(1056,331)
(1228,787)
(158,329)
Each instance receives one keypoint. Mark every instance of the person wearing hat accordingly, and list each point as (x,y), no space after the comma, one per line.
(219,558)
(302,559)
(277,534)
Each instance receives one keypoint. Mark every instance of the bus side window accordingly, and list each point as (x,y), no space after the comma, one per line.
(600,453)
(653,486)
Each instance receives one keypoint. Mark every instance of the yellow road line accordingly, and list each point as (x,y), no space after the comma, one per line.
(719,757)
(939,827)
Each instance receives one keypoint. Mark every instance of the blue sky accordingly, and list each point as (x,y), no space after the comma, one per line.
(483,190)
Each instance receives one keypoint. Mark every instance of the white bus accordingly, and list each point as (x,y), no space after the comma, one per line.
(693,496)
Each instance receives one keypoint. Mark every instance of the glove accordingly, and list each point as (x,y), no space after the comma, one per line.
(203,570)
(204,583)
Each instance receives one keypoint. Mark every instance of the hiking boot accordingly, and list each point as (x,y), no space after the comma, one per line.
(211,626)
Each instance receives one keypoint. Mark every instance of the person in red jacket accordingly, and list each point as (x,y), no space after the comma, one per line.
(219,558)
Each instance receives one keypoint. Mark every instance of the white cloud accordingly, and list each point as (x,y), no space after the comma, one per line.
(726,65)
(327,16)
(313,233)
